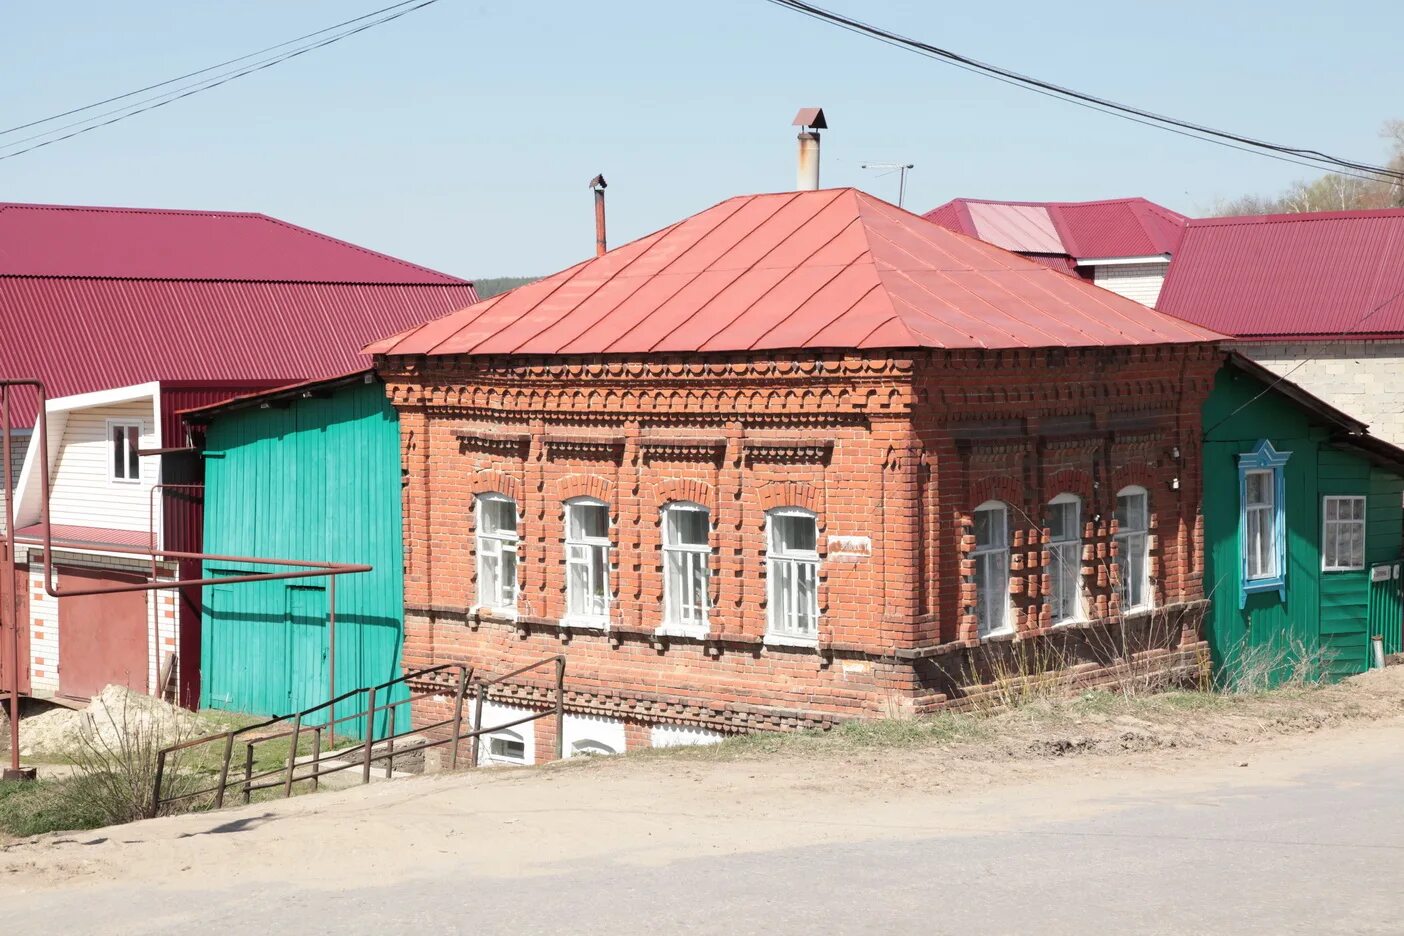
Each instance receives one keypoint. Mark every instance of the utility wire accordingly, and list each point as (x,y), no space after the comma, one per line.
(172,96)
(1301,155)
(168,81)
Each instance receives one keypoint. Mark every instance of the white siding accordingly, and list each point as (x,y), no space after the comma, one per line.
(1138,281)
(1362,378)
(84,493)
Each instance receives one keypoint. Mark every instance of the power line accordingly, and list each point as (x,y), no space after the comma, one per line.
(1311,158)
(168,81)
(169,97)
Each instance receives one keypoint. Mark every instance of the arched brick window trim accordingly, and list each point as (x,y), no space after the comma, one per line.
(790,494)
(684,489)
(1003,488)
(1069,481)
(601,489)
(493,481)
(1136,475)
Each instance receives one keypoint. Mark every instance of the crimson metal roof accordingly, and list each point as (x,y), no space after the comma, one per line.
(836,269)
(1118,227)
(95,298)
(85,536)
(1311,275)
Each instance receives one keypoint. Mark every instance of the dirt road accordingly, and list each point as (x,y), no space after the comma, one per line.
(1299,833)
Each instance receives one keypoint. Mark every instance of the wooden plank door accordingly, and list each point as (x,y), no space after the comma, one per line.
(307,650)
(102,638)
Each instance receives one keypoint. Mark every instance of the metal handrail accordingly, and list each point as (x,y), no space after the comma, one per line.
(363,755)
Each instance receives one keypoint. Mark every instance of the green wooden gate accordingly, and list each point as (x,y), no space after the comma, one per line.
(1386,606)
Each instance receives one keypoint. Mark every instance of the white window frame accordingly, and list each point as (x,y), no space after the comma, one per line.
(782,610)
(1068,552)
(501,546)
(129,453)
(1331,529)
(1139,538)
(992,565)
(506,736)
(1253,553)
(686,613)
(588,545)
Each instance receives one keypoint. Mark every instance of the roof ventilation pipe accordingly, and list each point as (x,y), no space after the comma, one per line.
(810,120)
(598,185)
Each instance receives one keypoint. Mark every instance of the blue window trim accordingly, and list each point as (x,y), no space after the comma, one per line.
(1263,458)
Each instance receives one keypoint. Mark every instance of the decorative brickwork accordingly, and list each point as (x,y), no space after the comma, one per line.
(892,452)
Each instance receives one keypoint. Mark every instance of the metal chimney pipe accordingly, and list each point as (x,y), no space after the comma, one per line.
(598,183)
(811,121)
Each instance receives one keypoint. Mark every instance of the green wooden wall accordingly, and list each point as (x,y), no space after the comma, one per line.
(317,479)
(1326,613)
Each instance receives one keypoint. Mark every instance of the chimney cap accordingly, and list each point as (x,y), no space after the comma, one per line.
(598,182)
(811,117)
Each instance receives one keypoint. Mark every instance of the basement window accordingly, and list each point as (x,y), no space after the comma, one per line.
(507,747)
(587,561)
(1065,558)
(792,571)
(497,553)
(589,747)
(1262,534)
(124,438)
(991,555)
(686,557)
(1133,547)
(1342,534)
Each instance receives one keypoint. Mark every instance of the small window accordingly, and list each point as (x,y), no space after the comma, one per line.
(497,552)
(792,568)
(1342,534)
(1262,532)
(507,747)
(991,555)
(1133,547)
(125,440)
(589,747)
(686,561)
(1065,558)
(587,561)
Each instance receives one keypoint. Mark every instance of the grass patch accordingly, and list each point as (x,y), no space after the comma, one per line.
(35,807)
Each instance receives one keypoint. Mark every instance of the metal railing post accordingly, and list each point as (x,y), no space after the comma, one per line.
(560,707)
(292,756)
(477,725)
(156,786)
(316,756)
(458,718)
(224,769)
(369,733)
(248,771)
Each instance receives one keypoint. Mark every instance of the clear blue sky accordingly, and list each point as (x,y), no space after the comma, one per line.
(463,136)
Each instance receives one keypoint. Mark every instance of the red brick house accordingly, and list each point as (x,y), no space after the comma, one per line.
(798,458)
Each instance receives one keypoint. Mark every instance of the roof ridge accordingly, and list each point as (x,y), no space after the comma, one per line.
(1352,214)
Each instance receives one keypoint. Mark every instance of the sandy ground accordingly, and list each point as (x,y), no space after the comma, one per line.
(652,810)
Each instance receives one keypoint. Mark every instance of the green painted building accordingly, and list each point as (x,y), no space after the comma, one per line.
(1303,518)
(310,472)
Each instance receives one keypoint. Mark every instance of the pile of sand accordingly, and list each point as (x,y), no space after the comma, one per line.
(114,713)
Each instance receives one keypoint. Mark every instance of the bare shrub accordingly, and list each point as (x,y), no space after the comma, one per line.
(1256,669)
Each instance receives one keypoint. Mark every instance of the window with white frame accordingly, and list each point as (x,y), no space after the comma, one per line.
(1342,533)
(1133,547)
(686,560)
(590,747)
(792,570)
(497,552)
(1065,558)
(587,561)
(124,438)
(991,557)
(506,747)
(1259,524)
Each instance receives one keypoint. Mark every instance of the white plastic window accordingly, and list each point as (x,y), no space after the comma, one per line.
(792,570)
(686,561)
(497,552)
(1260,520)
(1132,545)
(991,555)
(124,439)
(507,747)
(587,561)
(1343,534)
(1065,558)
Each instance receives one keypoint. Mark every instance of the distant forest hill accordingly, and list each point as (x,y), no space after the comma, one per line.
(492,285)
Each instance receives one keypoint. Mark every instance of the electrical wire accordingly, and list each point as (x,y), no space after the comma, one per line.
(170,97)
(168,81)
(1311,158)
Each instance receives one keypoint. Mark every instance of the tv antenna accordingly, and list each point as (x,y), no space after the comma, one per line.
(888,169)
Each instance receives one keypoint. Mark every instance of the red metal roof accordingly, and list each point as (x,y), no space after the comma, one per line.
(1118,227)
(91,537)
(95,298)
(1311,275)
(834,269)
